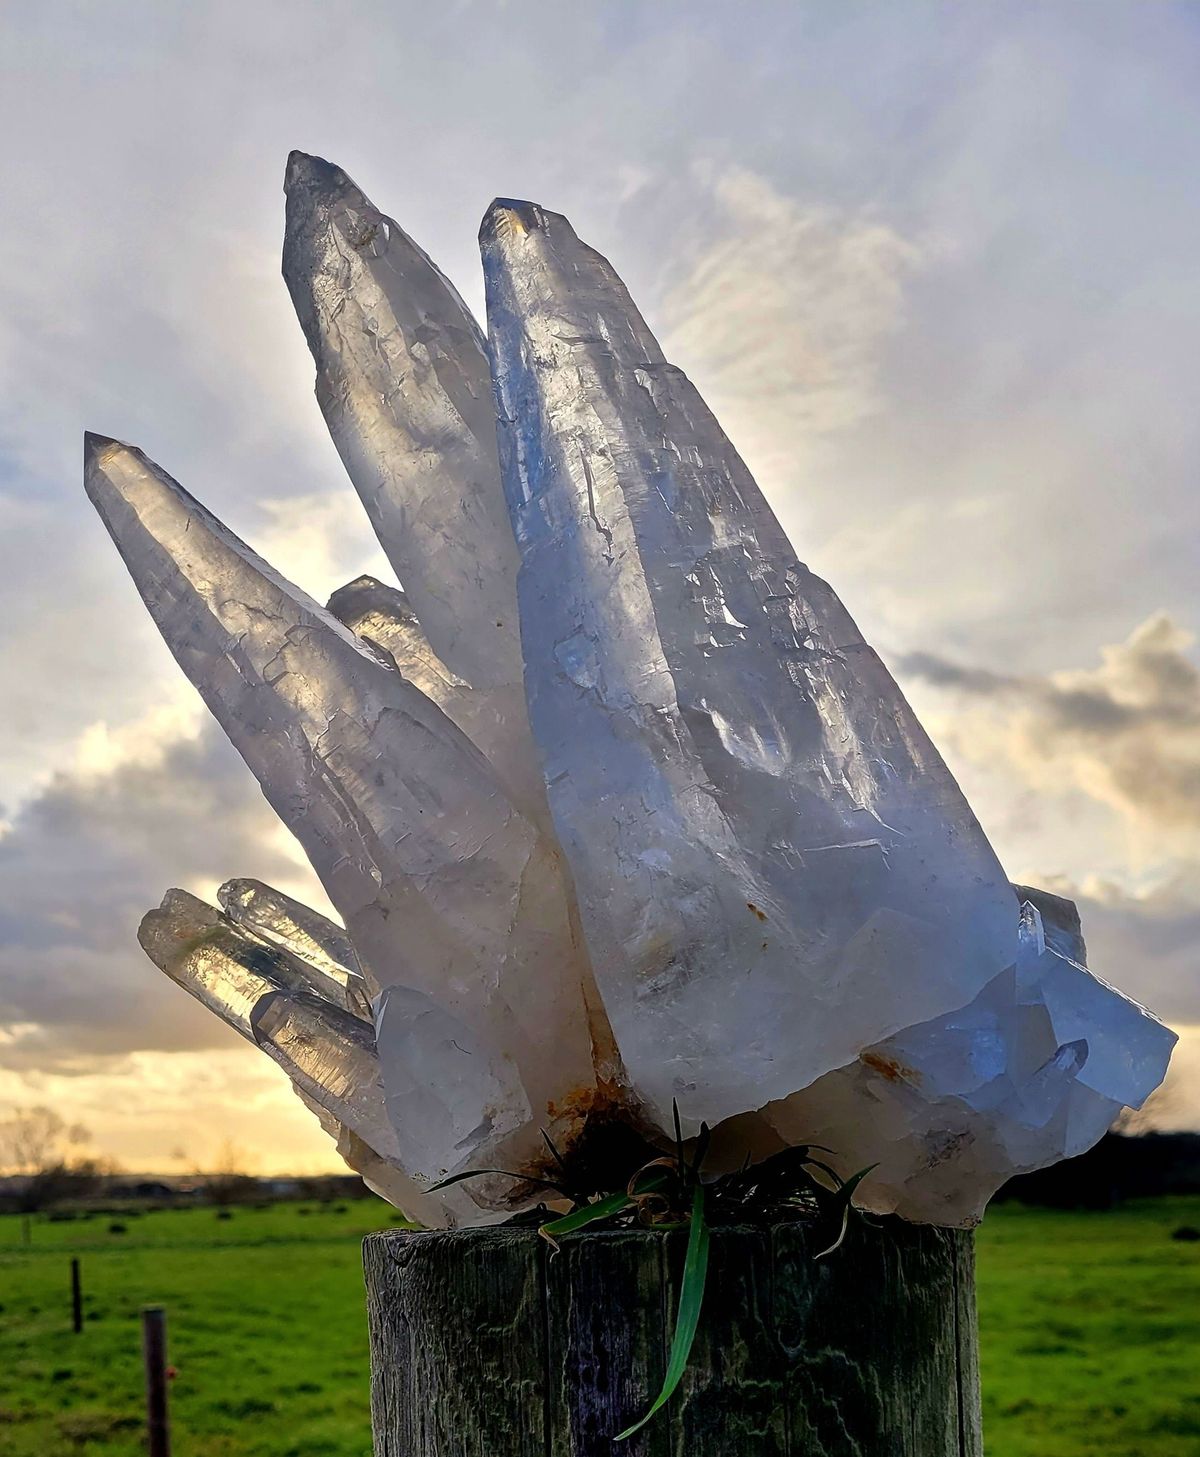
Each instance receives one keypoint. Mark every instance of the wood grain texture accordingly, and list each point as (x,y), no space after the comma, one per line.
(485,1342)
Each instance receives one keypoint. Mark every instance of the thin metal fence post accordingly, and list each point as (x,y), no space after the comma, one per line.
(154,1352)
(76,1298)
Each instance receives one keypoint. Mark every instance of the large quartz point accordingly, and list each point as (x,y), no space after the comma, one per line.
(404,385)
(454,902)
(774,866)
(618,810)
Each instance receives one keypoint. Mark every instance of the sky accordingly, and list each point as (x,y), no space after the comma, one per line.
(933,266)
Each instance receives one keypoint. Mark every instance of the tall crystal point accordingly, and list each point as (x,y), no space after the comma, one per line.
(454,901)
(775,868)
(403,383)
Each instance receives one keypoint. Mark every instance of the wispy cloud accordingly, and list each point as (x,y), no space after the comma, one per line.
(781,309)
(82,862)
(1089,779)
(1126,732)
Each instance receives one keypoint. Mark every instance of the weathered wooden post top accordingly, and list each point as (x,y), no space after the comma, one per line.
(666,930)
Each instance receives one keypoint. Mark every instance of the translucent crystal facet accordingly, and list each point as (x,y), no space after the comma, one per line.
(618,810)
(774,866)
(493,717)
(454,902)
(404,385)
(1035,1068)
(321,948)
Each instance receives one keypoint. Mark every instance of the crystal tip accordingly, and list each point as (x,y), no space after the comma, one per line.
(306,171)
(509,217)
(95,447)
(360,585)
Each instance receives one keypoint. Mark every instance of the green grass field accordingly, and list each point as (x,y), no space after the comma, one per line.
(1090,1328)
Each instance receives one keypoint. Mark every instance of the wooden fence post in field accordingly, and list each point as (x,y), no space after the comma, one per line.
(76,1298)
(484,1343)
(154,1353)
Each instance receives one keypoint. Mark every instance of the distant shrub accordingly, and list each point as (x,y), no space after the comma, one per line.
(1187,1232)
(116,1227)
(224,1213)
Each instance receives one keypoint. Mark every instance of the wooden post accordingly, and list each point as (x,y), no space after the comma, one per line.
(486,1344)
(76,1298)
(154,1353)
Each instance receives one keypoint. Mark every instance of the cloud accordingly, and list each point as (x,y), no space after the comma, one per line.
(1147,942)
(320,541)
(1125,733)
(1089,781)
(781,310)
(143,809)
(155,1111)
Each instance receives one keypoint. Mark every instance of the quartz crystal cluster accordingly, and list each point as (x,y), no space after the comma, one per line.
(618,810)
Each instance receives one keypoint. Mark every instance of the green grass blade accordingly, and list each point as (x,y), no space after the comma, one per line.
(841,1205)
(691,1297)
(826,1169)
(587,1214)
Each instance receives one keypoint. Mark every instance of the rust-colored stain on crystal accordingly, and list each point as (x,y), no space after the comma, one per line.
(889,1067)
(578,1103)
(750,906)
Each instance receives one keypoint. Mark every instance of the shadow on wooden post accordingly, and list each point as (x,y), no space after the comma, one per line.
(483,1342)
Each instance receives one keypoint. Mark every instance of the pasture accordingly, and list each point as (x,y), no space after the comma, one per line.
(1090,1331)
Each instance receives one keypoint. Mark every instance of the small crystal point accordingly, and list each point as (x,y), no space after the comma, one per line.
(264,994)
(774,866)
(384,616)
(1061,925)
(304,169)
(404,384)
(94,445)
(317,942)
(493,717)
